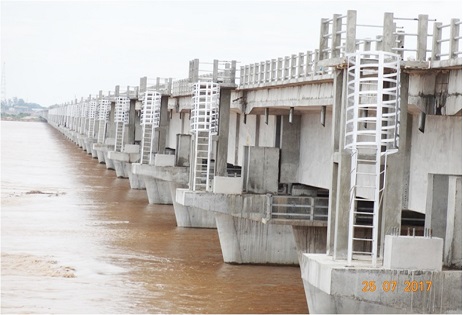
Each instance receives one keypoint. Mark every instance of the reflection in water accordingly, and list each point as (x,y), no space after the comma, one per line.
(77,239)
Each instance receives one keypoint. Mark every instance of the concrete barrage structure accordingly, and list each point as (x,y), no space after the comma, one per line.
(291,160)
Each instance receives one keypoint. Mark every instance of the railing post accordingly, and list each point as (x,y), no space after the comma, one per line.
(422,38)
(233,72)
(273,70)
(336,39)
(324,30)
(262,72)
(280,69)
(251,74)
(436,44)
(293,66)
(315,63)
(389,29)
(454,34)
(143,84)
(351,30)
(309,69)
(286,75)
(215,70)
(256,73)
(267,71)
(300,69)
(194,70)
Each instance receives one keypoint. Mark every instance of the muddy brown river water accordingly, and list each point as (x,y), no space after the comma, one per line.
(76,239)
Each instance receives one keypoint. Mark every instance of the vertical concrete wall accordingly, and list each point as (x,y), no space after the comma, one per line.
(436,151)
(267,131)
(315,151)
(175,127)
(111,125)
(453,245)
(232,138)
(138,128)
(290,149)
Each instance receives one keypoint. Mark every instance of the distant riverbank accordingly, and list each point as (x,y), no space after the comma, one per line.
(21,117)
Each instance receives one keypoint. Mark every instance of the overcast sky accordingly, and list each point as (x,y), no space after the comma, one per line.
(54,51)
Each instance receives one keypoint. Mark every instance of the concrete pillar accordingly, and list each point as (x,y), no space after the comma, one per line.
(422,38)
(388,41)
(453,244)
(343,158)
(163,125)
(130,128)
(289,153)
(398,170)
(443,214)
(224,124)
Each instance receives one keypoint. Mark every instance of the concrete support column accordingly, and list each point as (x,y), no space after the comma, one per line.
(289,153)
(398,170)
(224,124)
(130,135)
(339,162)
(452,245)
(163,126)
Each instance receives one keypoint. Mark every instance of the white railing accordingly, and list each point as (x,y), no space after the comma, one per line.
(130,92)
(412,38)
(284,70)
(299,208)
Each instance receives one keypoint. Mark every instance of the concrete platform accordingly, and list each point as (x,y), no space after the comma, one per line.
(333,287)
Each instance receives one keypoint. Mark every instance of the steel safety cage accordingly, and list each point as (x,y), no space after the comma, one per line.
(371,134)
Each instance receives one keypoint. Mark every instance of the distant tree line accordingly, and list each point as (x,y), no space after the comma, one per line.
(14,102)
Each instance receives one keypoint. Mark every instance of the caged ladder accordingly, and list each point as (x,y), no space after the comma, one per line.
(103,117)
(204,125)
(371,134)
(92,114)
(121,118)
(150,118)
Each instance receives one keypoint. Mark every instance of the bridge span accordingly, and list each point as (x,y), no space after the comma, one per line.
(345,159)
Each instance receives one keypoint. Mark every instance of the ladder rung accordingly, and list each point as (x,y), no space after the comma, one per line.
(363,226)
(361,253)
(365,213)
(363,239)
